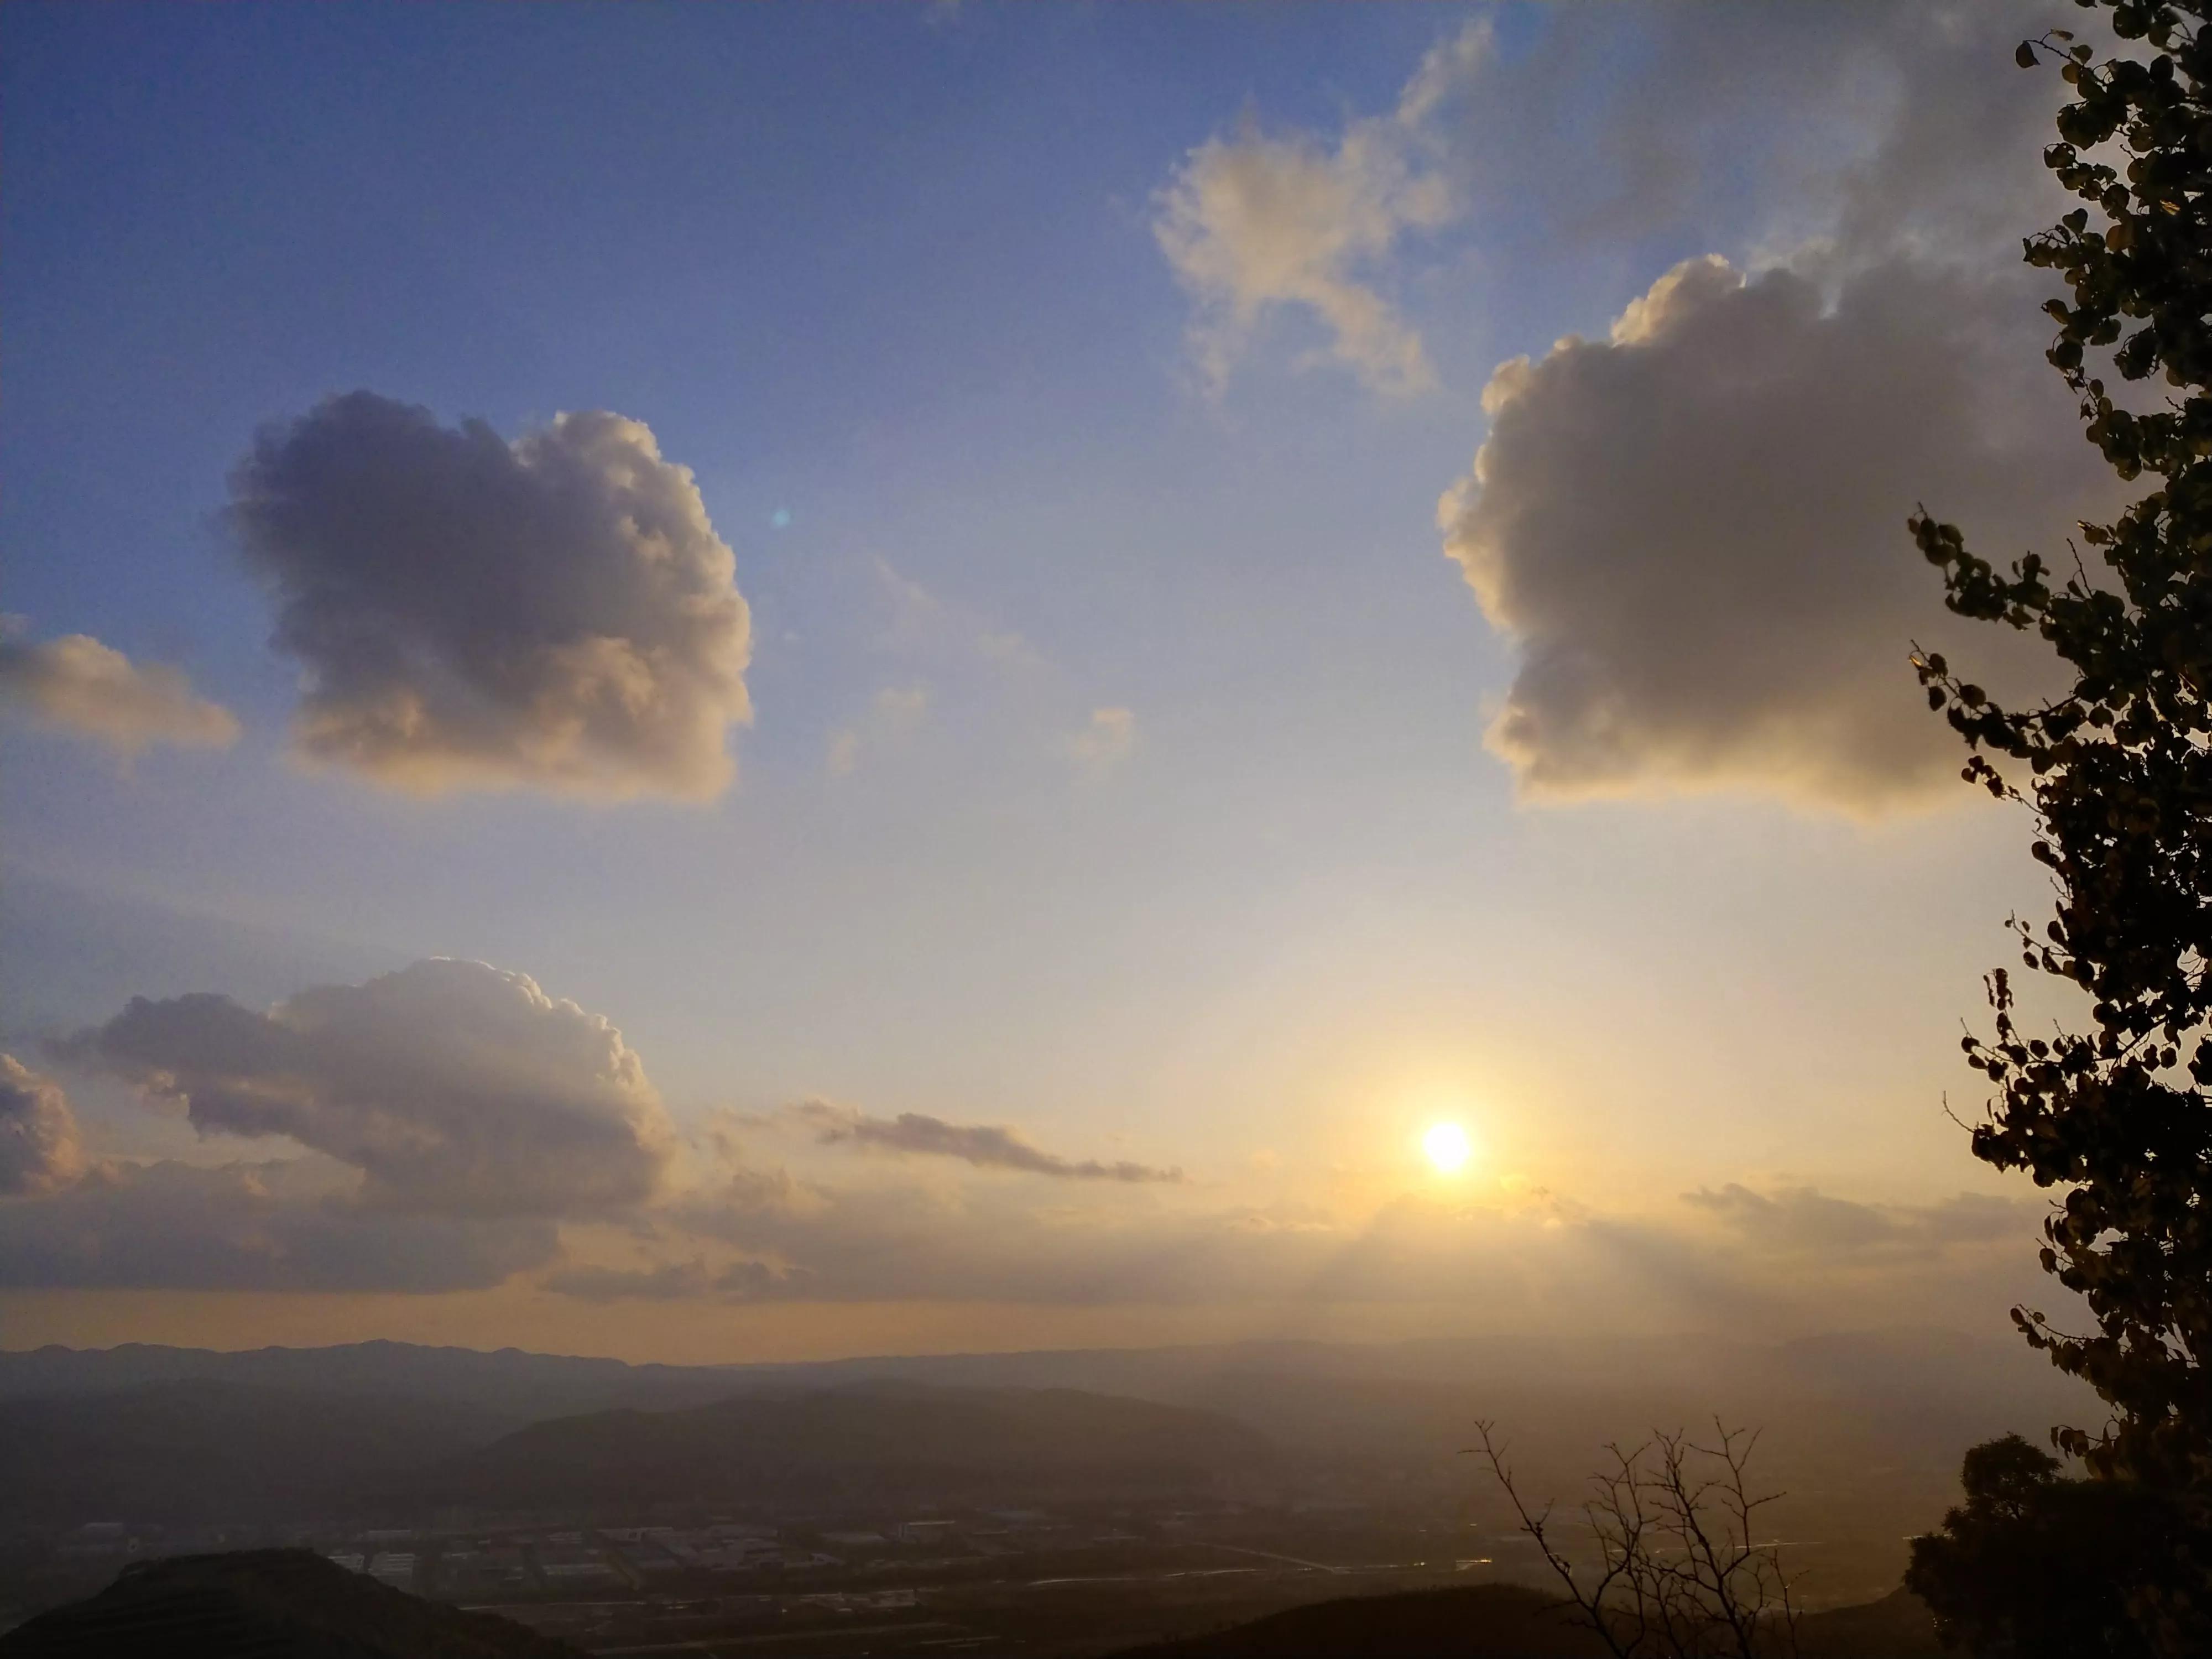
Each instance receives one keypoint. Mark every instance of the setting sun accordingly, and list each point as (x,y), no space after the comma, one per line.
(1448,1148)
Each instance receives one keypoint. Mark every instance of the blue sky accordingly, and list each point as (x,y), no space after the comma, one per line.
(1116,768)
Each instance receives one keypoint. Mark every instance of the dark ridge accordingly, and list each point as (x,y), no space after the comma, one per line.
(203,1450)
(885,1440)
(266,1604)
(1508,1621)
(1482,1621)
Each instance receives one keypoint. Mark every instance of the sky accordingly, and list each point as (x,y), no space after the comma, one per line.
(718,684)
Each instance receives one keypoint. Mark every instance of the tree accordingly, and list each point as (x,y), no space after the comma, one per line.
(2117,773)
(1677,1574)
(2033,1566)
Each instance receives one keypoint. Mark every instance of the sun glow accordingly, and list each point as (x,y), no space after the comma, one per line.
(1448,1148)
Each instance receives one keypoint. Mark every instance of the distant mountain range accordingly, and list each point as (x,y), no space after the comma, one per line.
(1944,1375)
(862,1442)
(511,1384)
(204,1451)
(171,1434)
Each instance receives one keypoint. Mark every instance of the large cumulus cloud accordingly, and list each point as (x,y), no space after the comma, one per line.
(269,1226)
(1694,529)
(76,685)
(554,612)
(40,1151)
(455,1087)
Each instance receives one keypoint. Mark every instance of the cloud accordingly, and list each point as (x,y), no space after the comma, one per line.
(78,685)
(672,1281)
(1804,1221)
(1514,1264)
(983,1145)
(892,713)
(251,1226)
(40,1151)
(1694,530)
(1253,223)
(803,1241)
(927,627)
(556,612)
(455,1087)
(1101,748)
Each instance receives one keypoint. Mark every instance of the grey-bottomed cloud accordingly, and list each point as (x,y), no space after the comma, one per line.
(1787,1253)
(554,612)
(1694,530)
(40,1149)
(987,1146)
(76,685)
(455,1087)
(1806,1222)
(269,1226)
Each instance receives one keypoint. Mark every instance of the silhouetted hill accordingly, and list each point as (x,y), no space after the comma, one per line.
(1507,1621)
(1487,1621)
(205,1451)
(881,1441)
(265,1604)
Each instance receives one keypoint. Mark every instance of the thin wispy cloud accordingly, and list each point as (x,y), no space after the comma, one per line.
(892,713)
(1255,223)
(986,1145)
(1104,745)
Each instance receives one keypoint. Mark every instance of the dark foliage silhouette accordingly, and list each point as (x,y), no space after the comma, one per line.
(2036,1565)
(2117,772)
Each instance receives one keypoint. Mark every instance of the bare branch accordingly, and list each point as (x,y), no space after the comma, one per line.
(1679,1573)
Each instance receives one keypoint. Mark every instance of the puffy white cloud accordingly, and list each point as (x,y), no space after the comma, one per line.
(556,612)
(987,1146)
(77,684)
(40,1151)
(455,1087)
(1254,222)
(1694,530)
(269,1226)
